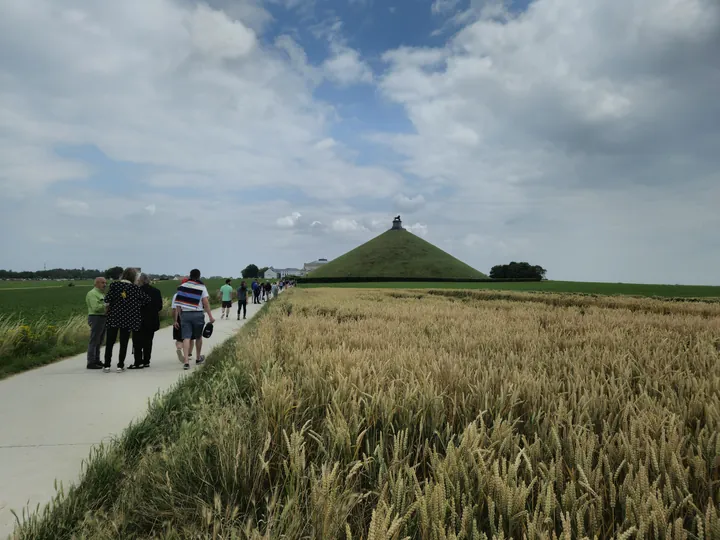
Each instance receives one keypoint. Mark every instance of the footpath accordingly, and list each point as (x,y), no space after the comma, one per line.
(51,417)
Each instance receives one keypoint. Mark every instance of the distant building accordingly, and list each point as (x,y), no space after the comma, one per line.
(277,273)
(309,267)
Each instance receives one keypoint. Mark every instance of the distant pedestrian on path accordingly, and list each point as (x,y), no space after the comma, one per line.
(275,289)
(267,288)
(95,300)
(150,323)
(226,293)
(192,299)
(124,303)
(256,291)
(242,293)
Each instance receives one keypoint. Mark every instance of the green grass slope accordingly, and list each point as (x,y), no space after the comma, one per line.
(398,254)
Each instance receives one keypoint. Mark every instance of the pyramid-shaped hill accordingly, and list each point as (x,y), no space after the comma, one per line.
(396,254)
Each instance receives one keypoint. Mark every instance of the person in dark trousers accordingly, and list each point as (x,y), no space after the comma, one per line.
(267,286)
(150,323)
(95,301)
(124,301)
(256,292)
(242,293)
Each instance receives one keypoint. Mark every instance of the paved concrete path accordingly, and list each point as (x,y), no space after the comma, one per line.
(50,417)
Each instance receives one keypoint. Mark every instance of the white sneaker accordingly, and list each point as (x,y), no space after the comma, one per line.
(120,369)
(106,370)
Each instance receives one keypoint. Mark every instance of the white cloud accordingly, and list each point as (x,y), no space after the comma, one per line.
(216,35)
(186,90)
(444,6)
(409,204)
(418,229)
(73,207)
(347,225)
(298,59)
(288,222)
(27,168)
(326,144)
(151,209)
(345,67)
(568,147)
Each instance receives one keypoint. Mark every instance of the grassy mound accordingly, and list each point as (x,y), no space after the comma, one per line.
(397,254)
(410,414)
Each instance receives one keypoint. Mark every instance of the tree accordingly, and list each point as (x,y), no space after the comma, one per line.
(517,270)
(114,273)
(262,271)
(250,271)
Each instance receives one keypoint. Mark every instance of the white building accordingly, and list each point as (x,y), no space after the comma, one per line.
(277,273)
(309,267)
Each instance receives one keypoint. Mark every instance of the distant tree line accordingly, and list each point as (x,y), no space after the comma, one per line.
(54,273)
(73,274)
(517,270)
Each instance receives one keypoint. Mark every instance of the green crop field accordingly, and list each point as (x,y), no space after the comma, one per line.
(56,301)
(630,289)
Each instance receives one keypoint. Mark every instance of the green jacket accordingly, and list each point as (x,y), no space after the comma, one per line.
(95,301)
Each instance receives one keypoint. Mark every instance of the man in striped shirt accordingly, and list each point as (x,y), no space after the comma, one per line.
(192,299)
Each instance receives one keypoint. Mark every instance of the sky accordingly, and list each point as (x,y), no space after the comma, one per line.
(172,134)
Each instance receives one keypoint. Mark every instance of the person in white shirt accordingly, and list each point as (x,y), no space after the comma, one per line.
(191,300)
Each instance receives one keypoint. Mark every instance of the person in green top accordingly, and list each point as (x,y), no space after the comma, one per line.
(226,294)
(95,301)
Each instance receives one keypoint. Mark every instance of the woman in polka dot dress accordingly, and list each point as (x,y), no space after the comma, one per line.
(124,300)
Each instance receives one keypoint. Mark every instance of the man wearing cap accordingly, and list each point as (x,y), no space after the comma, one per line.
(191,300)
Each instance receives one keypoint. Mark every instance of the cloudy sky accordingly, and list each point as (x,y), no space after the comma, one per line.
(167,134)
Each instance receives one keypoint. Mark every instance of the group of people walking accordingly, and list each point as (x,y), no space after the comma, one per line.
(260,292)
(131,308)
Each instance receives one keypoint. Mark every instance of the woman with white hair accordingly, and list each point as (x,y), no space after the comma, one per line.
(150,323)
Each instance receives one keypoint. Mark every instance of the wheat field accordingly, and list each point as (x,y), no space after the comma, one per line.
(432,414)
